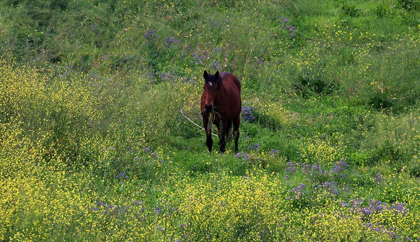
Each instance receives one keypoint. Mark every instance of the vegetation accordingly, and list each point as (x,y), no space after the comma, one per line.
(93,146)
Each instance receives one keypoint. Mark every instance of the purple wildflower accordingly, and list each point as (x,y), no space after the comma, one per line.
(317,169)
(248,113)
(122,175)
(151,34)
(291,167)
(312,169)
(101,204)
(244,156)
(329,187)
(274,152)
(151,76)
(400,208)
(158,210)
(94,209)
(168,76)
(171,41)
(254,146)
(378,179)
(306,168)
(290,28)
(298,191)
(200,59)
(338,169)
(374,207)
(339,166)
(381,229)
(138,202)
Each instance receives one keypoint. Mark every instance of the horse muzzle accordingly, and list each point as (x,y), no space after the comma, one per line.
(209,108)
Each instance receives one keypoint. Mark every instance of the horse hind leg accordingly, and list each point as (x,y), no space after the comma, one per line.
(222,127)
(229,131)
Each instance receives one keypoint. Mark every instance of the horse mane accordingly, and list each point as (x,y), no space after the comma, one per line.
(219,82)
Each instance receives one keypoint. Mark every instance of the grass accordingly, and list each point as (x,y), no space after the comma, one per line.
(93,145)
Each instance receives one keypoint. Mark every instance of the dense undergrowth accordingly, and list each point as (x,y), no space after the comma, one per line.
(93,145)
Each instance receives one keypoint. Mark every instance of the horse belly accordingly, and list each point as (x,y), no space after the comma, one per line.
(234,103)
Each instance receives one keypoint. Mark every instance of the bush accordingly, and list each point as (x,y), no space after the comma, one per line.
(310,83)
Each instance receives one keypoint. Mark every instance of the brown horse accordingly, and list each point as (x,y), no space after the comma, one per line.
(221,105)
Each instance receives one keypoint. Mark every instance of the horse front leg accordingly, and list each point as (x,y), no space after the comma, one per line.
(207,127)
(209,142)
(236,122)
(222,127)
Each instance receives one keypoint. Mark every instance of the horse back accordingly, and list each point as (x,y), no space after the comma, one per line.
(227,77)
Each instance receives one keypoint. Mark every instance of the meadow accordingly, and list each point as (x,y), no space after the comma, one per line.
(94,146)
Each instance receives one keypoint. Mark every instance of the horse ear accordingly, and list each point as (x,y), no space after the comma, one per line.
(216,76)
(205,75)
(218,79)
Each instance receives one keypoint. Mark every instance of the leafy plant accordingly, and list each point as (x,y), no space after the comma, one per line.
(409,4)
(350,10)
(309,83)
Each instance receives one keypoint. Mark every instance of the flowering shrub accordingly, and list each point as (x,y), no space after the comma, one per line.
(318,149)
(248,113)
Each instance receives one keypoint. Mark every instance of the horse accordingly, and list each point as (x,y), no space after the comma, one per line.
(221,105)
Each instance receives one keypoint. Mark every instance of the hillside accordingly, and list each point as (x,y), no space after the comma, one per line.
(95,144)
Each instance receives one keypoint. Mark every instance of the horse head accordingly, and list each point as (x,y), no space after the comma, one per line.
(211,87)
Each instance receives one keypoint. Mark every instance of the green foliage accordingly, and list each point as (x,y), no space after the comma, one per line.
(93,145)
(350,10)
(313,83)
(409,5)
(382,10)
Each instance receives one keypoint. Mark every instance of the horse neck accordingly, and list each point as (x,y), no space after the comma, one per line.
(220,99)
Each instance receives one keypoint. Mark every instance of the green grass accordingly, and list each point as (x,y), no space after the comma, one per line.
(93,145)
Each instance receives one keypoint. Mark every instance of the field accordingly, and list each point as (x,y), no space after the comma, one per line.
(95,144)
